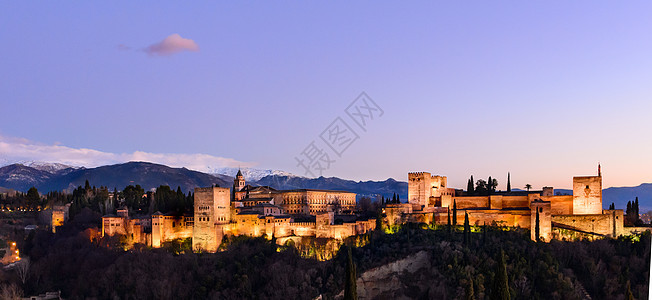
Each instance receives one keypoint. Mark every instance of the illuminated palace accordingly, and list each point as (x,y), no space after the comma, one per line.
(430,199)
(246,210)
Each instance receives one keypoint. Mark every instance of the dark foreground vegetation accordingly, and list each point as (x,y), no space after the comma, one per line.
(254,268)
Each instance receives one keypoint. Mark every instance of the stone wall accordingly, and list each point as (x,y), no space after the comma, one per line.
(212,207)
(604,224)
(587,195)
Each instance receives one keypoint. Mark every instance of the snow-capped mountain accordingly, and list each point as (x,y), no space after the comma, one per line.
(46,166)
(251,174)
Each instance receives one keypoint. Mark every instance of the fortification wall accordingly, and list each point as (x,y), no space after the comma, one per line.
(471,202)
(597,223)
(515,201)
(560,205)
(518,218)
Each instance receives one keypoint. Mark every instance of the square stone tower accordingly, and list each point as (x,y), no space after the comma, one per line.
(545,220)
(212,208)
(587,194)
(419,186)
(422,186)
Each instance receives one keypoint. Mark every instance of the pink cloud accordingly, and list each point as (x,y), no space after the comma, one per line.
(172,44)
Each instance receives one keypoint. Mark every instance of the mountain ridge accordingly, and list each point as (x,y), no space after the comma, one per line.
(150,175)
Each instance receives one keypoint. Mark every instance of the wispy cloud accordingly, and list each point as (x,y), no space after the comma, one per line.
(172,44)
(18,149)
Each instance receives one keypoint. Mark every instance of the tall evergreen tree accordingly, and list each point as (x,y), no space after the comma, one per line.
(472,186)
(398,198)
(467,229)
(454,213)
(350,289)
(500,289)
(449,220)
(469,187)
(536,227)
(509,183)
(636,207)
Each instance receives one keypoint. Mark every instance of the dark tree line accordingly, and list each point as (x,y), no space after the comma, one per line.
(632,213)
(482,187)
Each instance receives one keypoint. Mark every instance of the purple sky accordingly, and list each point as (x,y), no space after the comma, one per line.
(544,90)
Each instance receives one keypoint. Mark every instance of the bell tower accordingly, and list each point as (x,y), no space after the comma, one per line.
(238,182)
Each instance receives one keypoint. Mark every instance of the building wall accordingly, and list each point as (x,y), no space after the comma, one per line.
(167,228)
(419,187)
(543,208)
(212,207)
(587,195)
(112,226)
(597,223)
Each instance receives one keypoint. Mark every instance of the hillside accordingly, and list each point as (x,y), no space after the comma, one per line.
(148,175)
(362,188)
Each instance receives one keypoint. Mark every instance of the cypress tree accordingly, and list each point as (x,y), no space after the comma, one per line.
(636,209)
(500,289)
(449,220)
(350,290)
(467,229)
(509,183)
(472,185)
(454,213)
(469,187)
(490,187)
(536,227)
(398,198)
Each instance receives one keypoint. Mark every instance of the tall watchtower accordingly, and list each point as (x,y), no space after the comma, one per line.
(587,194)
(212,208)
(419,186)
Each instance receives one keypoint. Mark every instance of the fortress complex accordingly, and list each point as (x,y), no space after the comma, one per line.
(559,216)
(246,210)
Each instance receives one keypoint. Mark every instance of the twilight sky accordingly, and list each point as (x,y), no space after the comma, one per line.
(540,89)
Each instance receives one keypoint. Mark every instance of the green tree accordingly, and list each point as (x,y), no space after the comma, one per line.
(469,187)
(350,289)
(379,220)
(536,226)
(481,187)
(33,198)
(472,191)
(454,213)
(449,220)
(467,229)
(500,289)
(492,184)
(509,183)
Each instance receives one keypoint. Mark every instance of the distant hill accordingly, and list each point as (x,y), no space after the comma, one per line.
(148,175)
(362,188)
(51,176)
(21,178)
